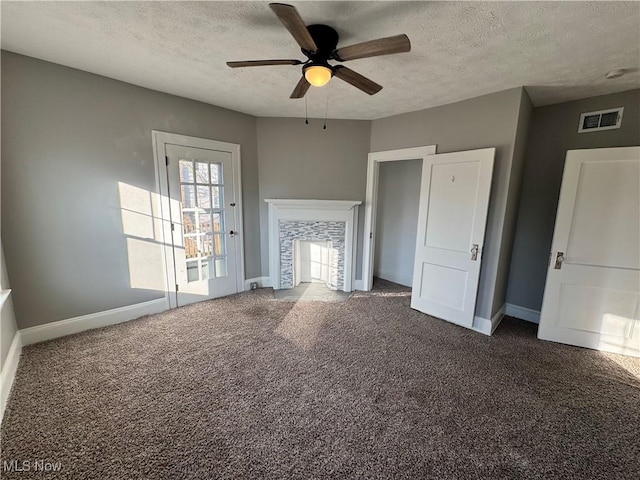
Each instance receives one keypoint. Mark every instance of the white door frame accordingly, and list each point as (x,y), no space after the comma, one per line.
(160,140)
(371,203)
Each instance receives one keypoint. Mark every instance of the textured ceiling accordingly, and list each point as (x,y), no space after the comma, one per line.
(559,50)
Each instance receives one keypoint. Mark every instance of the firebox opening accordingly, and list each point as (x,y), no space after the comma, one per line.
(312,262)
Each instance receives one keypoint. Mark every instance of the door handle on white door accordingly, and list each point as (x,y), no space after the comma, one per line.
(559,260)
(474,252)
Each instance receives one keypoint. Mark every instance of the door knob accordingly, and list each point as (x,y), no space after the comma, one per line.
(474,252)
(232,233)
(559,260)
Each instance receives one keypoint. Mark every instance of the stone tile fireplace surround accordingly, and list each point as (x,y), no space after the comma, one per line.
(335,221)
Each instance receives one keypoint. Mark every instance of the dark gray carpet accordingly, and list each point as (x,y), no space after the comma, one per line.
(251,387)
(311,292)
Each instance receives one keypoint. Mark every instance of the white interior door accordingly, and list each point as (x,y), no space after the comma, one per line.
(454,200)
(202,184)
(592,294)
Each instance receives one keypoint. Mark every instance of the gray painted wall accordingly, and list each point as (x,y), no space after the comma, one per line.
(68,138)
(8,325)
(554,130)
(487,121)
(397,220)
(306,162)
(525,114)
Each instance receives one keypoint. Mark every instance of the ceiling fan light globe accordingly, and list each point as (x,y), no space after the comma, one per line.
(318,75)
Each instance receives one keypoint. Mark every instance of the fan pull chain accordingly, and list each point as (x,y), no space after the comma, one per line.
(326,112)
(306,115)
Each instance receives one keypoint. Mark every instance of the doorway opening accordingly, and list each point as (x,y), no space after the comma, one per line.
(452,216)
(371,204)
(397,221)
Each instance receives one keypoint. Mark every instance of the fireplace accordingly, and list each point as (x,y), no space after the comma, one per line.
(328,227)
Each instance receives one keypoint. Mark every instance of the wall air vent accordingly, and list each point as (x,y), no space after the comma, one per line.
(602,120)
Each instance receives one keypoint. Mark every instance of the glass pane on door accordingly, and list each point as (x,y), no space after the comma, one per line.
(186,171)
(204,196)
(203,219)
(202,172)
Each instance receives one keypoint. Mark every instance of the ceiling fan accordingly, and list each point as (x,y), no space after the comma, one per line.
(318,43)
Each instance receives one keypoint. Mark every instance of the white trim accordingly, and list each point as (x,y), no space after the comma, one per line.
(523,313)
(160,140)
(486,326)
(315,210)
(61,328)
(237,212)
(167,263)
(304,204)
(354,248)
(358,284)
(392,277)
(370,206)
(9,369)
(263,282)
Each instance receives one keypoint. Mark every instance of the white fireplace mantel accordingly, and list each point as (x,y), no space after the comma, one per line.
(313,210)
(313,204)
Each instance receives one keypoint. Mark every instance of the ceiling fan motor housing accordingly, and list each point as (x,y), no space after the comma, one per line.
(326,39)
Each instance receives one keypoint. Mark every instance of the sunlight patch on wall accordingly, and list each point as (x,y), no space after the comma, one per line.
(142,226)
(145,265)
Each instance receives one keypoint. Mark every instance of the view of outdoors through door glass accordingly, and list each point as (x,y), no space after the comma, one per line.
(201,190)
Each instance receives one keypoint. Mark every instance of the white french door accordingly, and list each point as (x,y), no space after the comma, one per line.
(201,182)
(454,200)
(592,294)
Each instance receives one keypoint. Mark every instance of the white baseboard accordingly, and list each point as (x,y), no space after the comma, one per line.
(497,318)
(263,282)
(392,277)
(61,328)
(486,326)
(358,284)
(523,313)
(8,374)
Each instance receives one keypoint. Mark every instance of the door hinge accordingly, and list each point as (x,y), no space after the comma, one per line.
(370,235)
(177,288)
(173,227)
(166,160)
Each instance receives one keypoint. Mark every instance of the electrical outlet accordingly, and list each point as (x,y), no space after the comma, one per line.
(254,285)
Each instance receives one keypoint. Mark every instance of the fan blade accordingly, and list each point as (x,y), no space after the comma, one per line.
(373,48)
(261,63)
(301,88)
(357,80)
(291,19)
